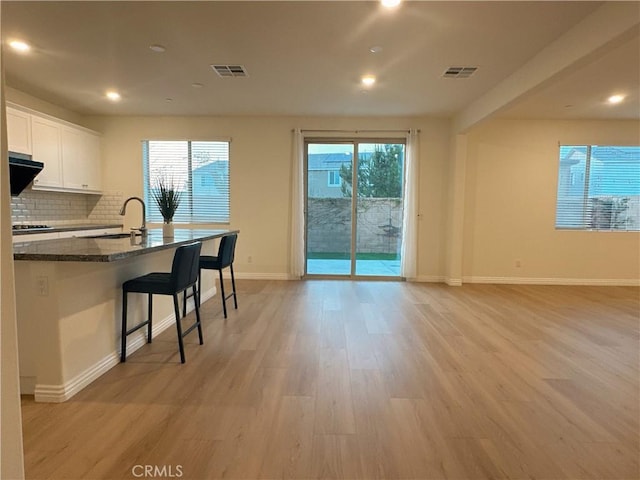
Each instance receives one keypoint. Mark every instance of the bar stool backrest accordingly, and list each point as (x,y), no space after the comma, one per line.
(226,251)
(186,261)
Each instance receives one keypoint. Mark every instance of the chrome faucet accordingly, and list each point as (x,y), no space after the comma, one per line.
(123,210)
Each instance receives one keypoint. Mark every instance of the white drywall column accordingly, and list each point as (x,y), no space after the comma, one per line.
(605,28)
(455,213)
(11,454)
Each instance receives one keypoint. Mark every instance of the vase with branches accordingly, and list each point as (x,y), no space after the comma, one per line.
(167,197)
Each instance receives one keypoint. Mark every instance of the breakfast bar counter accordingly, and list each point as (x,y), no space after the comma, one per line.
(109,248)
(69,304)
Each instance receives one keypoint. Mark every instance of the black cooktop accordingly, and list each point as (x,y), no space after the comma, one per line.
(30,227)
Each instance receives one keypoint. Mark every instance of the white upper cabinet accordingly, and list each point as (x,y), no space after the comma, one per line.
(19,131)
(93,163)
(80,160)
(71,154)
(72,147)
(47,149)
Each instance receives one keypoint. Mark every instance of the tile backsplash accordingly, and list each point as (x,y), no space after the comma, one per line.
(57,208)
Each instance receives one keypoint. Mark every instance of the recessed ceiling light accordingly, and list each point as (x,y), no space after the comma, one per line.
(368,80)
(375,49)
(113,96)
(168,100)
(615,99)
(158,48)
(197,85)
(390,3)
(19,46)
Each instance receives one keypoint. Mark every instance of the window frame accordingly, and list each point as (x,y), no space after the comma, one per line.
(588,184)
(152,216)
(336,175)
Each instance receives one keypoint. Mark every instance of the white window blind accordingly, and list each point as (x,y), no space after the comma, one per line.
(199,170)
(598,188)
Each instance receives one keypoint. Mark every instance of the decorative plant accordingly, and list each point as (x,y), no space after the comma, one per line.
(167,198)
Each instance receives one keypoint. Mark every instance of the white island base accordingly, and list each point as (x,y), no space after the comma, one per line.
(69,318)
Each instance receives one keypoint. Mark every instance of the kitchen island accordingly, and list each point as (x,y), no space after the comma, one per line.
(69,301)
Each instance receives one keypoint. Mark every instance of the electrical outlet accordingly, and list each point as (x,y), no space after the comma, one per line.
(249,259)
(42,286)
(518,263)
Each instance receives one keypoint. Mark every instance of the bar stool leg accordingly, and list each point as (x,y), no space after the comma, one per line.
(224,300)
(196,302)
(176,309)
(150,317)
(233,284)
(185,296)
(123,340)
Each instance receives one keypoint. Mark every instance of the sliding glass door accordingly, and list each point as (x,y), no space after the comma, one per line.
(329,211)
(354,207)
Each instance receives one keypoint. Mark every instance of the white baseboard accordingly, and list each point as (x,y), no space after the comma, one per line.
(456,282)
(263,276)
(62,393)
(427,279)
(602,282)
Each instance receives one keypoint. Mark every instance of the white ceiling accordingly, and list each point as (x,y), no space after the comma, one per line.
(583,92)
(305,57)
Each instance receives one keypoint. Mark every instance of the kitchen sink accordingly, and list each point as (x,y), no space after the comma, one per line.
(112,236)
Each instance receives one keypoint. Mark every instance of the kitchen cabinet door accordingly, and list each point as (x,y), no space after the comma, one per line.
(80,160)
(93,162)
(45,136)
(71,154)
(18,131)
(72,159)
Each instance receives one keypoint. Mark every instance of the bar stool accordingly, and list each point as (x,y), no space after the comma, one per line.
(224,259)
(184,274)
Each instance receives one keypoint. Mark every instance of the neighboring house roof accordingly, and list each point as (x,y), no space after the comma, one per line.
(332,161)
(575,154)
(211,167)
(613,170)
(328,161)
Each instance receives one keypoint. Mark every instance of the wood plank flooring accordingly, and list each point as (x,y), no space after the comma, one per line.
(366,380)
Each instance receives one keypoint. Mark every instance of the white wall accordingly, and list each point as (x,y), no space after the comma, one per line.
(510,195)
(24,99)
(11,456)
(261,176)
(500,177)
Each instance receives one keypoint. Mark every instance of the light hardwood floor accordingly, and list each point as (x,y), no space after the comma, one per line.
(366,380)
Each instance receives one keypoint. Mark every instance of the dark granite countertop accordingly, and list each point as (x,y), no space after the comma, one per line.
(67,228)
(86,249)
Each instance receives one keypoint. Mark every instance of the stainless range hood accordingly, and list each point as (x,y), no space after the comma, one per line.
(22,171)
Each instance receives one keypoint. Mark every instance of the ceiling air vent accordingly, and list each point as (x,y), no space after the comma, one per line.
(230,70)
(459,72)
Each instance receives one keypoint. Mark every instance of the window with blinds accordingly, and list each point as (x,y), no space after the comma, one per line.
(199,170)
(598,188)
